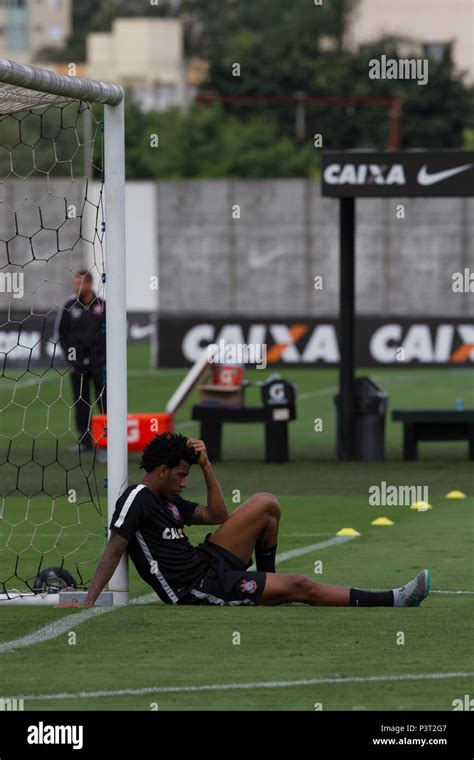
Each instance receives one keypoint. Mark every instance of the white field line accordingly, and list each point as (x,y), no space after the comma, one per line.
(186,425)
(435,591)
(304,534)
(26,382)
(392,376)
(312,547)
(48,377)
(321,392)
(329,389)
(395,375)
(152,371)
(409,375)
(302,397)
(255,685)
(326,391)
(65,624)
(56,629)
(53,630)
(333,542)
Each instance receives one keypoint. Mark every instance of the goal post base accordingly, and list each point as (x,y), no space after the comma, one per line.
(28,599)
(119,597)
(105,599)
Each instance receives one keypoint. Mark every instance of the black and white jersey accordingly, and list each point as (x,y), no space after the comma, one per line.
(158,545)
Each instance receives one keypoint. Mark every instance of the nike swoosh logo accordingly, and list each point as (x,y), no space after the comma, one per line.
(137,332)
(259,260)
(426,179)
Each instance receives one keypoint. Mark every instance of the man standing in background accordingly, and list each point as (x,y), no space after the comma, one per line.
(80,329)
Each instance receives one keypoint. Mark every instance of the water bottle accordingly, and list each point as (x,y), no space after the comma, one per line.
(459,404)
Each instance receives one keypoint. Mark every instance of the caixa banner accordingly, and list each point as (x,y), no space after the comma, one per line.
(29,340)
(404,174)
(303,342)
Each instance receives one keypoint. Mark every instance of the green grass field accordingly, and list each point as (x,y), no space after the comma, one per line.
(291,657)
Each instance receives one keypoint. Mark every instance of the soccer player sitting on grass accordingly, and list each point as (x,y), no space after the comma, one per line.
(149,521)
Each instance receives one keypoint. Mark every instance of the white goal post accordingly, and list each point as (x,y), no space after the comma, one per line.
(24,88)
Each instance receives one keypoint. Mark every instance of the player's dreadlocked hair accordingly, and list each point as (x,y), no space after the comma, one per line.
(168,449)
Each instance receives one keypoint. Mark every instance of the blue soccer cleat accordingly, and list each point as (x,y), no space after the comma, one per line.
(414,592)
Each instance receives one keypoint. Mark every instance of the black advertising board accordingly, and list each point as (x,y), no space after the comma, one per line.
(293,342)
(401,174)
(301,342)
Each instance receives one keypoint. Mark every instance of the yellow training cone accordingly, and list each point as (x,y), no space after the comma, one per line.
(455,495)
(421,506)
(382,521)
(347,532)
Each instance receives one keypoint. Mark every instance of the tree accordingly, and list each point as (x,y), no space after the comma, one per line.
(283,47)
(279,46)
(433,115)
(207,143)
(276,42)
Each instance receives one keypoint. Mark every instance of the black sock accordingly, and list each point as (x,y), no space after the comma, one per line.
(360,598)
(265,559)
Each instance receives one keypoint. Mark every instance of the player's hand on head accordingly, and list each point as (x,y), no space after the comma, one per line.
(200,449)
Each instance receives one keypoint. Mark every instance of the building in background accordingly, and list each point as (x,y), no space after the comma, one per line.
(437,26)
(28,26)
(147,55)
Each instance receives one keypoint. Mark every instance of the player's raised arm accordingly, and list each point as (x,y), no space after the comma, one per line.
(105,569)
(215,511)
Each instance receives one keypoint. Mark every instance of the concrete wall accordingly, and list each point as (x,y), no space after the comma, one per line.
(47,250)
(48,253)
(265,262)
(261,264)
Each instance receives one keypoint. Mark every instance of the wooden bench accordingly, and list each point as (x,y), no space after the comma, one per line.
(275,419)
(434,425)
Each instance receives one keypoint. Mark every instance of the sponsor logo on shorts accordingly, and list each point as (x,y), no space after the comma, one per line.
(248,586)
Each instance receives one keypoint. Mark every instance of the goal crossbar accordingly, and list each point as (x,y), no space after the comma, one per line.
(54,87)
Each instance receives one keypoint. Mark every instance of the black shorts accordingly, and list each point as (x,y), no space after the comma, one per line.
(226,582)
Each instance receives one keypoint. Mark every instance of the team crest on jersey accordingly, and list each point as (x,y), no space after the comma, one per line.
(249,586)
(174,510)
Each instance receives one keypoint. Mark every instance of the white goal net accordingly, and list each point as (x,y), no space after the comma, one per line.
(62,359)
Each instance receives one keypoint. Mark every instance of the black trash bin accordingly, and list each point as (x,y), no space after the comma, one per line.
(371,403)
